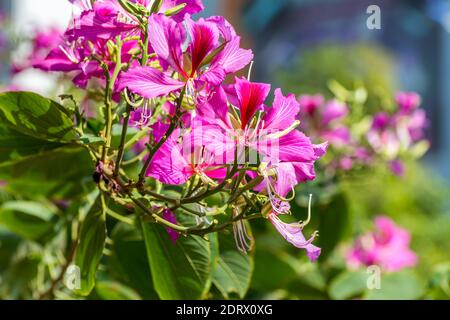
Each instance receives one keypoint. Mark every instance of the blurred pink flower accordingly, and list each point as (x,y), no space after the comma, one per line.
(408,101)
(387,247)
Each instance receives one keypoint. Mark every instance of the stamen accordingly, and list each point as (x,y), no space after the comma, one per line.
(244,242)
(308,220)
(69,55)
(250,69)
(285,132)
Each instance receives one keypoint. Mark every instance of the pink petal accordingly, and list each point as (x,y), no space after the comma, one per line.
(283,113)
(168,164)
(251,96)
(166,38)
(148,82)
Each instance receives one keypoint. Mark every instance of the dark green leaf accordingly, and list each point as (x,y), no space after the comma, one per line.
(15,146)
(63,172)
(348,285)
(402,285)
(36,116)
(270,272)
(90,247)
(91,139)
(30,220)
(234,269)
(130,260)
(110,290)
(181,271)
(17,281)
(334,220)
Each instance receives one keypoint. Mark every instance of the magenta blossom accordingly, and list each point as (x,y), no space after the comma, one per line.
(292,232)
(212,52)
(42,43)
(387,247)
(408,101)
(177,161)
(287,155)
(392,136)
(106,19)
(325,121)
(77,57)
(270,132)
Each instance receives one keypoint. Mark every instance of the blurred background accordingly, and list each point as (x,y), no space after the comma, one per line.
(300,45)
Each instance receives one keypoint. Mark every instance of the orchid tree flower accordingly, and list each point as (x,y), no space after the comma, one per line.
(180,158)
(292,232)
(212,52)
(77,57)
(107,19)
(241,120)
(387,246)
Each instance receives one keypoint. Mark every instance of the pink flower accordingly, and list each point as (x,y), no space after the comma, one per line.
(387,247)
(76,57)
(42,43)
(177,161)
(293,234)
(408,101)
(212,53)
(106,19)
(310,104)
(325,121)
(270,132)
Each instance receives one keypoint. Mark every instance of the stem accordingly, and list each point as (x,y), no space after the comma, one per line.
(110,82)
(119,217)
(122,141)
(138,136)
(173,125)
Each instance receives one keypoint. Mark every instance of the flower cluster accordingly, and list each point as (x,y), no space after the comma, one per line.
(387,247)
(201,129)
(388,137)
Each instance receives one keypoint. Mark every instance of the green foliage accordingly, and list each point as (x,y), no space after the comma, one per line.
(36,116)
(348,285)
(91,244)
(182,270)
(234,269)
(15,146)
(129,262)
(108,290)
(30,220)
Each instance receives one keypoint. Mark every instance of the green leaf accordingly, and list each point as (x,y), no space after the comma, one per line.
(90,248)
(334,220)
(130,261)
(281,272)
(182,270)
(439,283)
(15,146)
(36,116)
(30,220)
(8,244)
(63,172)
(234,269)
(18,282)
(402,285)
(89,139)
(348,285)
(111,290)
